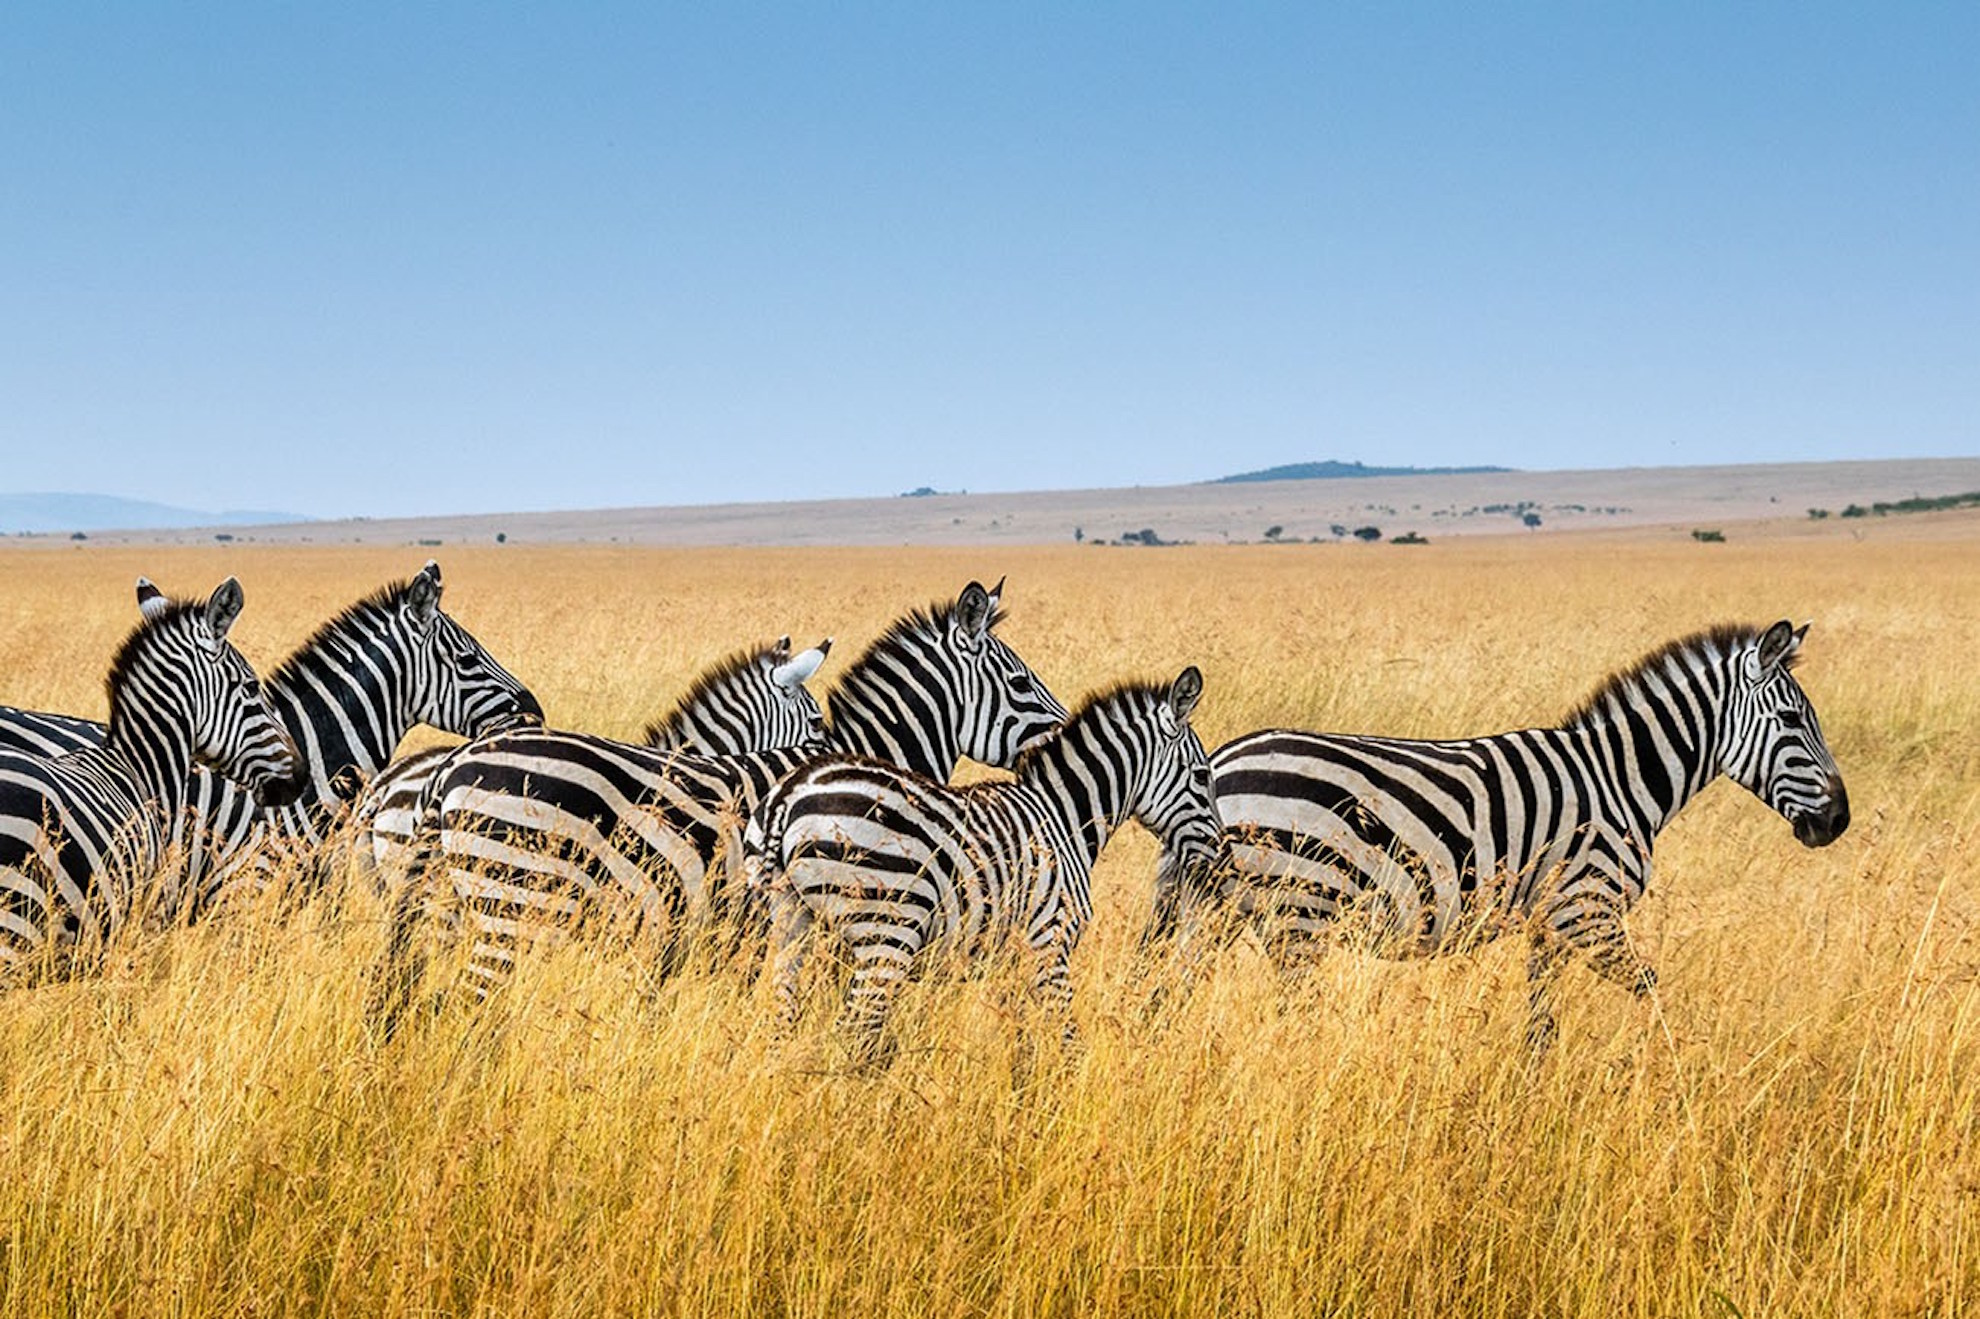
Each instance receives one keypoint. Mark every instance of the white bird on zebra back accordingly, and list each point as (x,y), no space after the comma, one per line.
(1438,846)
(897,866)
(82,834)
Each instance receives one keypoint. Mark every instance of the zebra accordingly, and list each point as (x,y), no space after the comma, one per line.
(82,833)
(1443,845)
(532,829)
(347,696)
(897,864)
(752,700)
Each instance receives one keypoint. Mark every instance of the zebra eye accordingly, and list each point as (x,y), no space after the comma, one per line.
(1791,719)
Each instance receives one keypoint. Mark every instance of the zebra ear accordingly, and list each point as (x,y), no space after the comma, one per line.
(793,672)
(223,607)
(975,607)
(1185,692)
(1777,646)
(783,646)
(151,601)
(423,595)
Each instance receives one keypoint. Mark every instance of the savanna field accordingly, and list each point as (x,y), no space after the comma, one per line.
(1789,1125)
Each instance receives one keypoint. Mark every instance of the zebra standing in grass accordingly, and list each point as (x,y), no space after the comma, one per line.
(754,700)
(534,829)
(82,833)
(347,696)
(1443,845)
(896,863)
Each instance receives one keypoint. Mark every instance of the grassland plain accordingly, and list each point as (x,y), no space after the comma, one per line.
(1787,1127)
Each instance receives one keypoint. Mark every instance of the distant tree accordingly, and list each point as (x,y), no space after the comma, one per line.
(1817,514)
(77,535)
(1274,532)
(1530,519)
(1711,537)
(1337,530)
(1079,534)
(501,538)
(1368,533)
(1408,538)
(1856,511)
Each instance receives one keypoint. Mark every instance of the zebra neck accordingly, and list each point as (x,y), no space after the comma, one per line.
(1085,779)
(348,712)
(902,725)
(154,748)
(1656,740)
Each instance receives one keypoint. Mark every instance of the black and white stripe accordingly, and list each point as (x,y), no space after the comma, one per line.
(1440,845)
(753,700)
(81,834)
(348,696)
(532,829)
(896,864)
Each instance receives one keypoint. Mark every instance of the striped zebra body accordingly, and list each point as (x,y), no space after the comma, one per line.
(897,864)
(40,734)
(642,830)
(347,696)
(750,701)
(82,834)
(1440,845)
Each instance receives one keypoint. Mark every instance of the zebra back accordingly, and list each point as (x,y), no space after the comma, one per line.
(752,700)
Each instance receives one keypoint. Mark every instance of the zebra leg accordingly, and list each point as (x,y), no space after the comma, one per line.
(1545,957)
(1595,930)
(1051,985)
(880,966)
(1294,957)
(790,939)
(399,968)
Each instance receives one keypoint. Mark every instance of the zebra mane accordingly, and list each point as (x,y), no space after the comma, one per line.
(715,676)
(127,654)
(917,624)
(381,603)
(1717,641)
(1132,691)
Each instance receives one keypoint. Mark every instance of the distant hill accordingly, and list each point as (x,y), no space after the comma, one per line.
(59,512)
(1333,468)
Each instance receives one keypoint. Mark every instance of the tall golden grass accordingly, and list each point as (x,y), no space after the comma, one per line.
(1787,1127)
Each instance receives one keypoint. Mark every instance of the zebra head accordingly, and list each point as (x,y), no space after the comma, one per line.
(1006,708)
(1174,800)
(194,672)
(456,685)
(1771,744)
(753,701)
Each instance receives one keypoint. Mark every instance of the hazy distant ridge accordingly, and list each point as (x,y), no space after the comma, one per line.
(1334,468)
(61,511)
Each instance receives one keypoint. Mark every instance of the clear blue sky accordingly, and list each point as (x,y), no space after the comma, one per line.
(428,258)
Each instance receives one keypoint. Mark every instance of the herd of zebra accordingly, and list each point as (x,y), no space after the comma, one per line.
(753,822)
